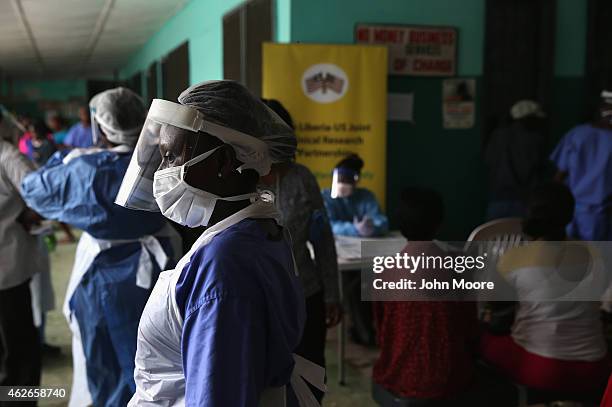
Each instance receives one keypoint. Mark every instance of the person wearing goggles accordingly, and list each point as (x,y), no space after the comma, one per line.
(120,253)
(353,211)
(220,328)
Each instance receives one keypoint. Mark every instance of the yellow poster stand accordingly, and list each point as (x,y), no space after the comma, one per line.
(337,97)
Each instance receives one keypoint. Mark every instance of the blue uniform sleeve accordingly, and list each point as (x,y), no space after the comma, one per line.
(64,192)
(369,207)
(339,226)
(222,349)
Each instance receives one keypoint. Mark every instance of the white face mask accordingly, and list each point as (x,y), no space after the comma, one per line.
(183,203)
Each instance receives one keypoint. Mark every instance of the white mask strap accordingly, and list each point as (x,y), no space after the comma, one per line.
(201,157)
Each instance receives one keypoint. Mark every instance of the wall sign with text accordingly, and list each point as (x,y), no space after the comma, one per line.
(414,50)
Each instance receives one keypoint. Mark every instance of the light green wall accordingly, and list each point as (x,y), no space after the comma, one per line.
(326,21)
(283,20)
(200,23)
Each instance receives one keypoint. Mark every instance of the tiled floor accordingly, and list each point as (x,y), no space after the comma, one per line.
(58,371)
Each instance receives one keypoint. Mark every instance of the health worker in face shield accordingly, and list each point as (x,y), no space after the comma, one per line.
(353,211)
(220,329)
(119,256)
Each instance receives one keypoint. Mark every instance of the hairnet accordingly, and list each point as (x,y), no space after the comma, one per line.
(120,113)
(230,104)
(352,162)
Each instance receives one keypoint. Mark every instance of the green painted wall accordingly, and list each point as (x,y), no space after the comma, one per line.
(327,21)
(569,84)
(200,23)
(37,90)
(424,153)
(34,97)
(570,55)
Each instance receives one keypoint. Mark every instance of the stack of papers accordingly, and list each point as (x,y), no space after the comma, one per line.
(348,247)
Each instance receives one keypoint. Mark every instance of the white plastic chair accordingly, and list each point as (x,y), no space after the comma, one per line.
(497,236)
(494,238)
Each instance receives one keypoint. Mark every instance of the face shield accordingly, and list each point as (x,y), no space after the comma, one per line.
(136,191)
(343,182)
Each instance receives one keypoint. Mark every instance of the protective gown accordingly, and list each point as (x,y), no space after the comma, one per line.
(342,212)
(118,259)
(237,288)
(585,154)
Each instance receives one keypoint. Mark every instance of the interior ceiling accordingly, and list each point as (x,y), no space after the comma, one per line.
(76,38)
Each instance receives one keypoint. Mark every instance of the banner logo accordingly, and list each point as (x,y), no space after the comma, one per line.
(325,83)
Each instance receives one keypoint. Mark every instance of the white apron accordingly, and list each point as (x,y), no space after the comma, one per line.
(159,377)
(41,289)
(87,250)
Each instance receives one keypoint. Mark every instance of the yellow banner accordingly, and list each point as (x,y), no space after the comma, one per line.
(337,96)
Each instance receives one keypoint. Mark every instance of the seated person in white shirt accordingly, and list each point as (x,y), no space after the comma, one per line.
(554,345)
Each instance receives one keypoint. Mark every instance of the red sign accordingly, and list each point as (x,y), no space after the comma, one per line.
(414,50)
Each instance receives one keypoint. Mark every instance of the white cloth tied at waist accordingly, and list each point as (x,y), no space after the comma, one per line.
(89,247)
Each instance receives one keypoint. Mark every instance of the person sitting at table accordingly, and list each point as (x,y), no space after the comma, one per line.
(427,348)
(353,211)
(554,345)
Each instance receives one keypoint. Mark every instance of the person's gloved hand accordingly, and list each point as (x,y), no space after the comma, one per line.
(365,226)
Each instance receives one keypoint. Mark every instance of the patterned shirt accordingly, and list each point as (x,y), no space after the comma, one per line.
(425,346)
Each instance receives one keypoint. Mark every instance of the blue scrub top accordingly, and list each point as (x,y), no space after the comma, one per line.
(360,203)
(585,154)
(82,193)
(79,136)
(243,311)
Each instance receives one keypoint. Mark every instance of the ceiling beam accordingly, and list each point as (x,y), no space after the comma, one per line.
(25,24)
(97,32)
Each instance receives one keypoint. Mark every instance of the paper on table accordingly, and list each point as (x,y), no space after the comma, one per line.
(348,247)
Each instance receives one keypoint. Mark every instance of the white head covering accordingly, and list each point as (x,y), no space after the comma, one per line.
(526,108)
(120,113)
